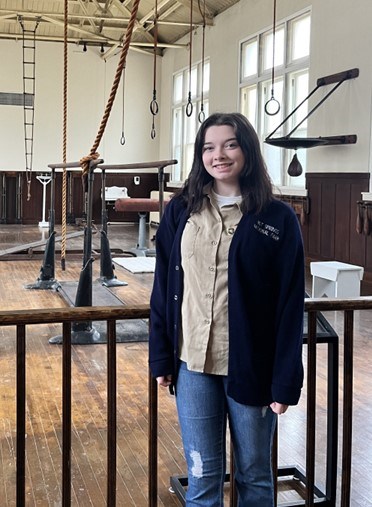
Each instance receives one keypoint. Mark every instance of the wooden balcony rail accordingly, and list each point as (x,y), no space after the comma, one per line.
(67,316)
(21,319)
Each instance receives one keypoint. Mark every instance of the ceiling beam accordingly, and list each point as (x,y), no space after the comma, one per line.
(84,9)
(93,40)
(137,24)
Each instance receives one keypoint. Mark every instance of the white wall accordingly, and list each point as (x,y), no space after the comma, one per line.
(341,39)
(89,84)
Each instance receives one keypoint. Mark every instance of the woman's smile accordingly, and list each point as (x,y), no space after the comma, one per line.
(223,159)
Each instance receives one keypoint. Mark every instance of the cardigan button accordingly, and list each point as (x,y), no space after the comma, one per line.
(177,268)
(175,297)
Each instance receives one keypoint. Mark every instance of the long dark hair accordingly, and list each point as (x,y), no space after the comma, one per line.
(254,180)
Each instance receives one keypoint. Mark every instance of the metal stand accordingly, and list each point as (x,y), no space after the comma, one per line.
(325,335)
(107,277)
(46,278)
(44,180)
(141,250)
(70,219)
(3,199)
(83,333)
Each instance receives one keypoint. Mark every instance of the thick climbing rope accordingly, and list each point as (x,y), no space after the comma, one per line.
(64,175)
(93,155)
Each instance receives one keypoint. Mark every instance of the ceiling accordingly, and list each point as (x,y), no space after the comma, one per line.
(103,22)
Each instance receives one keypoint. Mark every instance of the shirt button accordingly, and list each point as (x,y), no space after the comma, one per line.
(214,243)
(176,268)
(209,295)
(211,268)
(175,297)
(206,321)
(230,230)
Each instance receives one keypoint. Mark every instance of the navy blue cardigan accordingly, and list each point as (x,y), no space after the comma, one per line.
(265,304)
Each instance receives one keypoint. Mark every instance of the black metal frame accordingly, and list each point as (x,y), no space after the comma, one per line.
(325,335)
(306,142)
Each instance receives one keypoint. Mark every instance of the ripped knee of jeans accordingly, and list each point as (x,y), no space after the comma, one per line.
(197,464)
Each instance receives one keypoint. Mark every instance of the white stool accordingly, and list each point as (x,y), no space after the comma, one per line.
(336,279)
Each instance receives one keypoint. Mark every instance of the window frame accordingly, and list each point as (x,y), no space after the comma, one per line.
(262,78)
(183,150)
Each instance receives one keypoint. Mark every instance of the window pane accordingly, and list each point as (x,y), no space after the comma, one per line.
(192,85)
(177,142)
(249,58)
(190,126)
(177,87)
(300,40)
(267,55)
(299,90)
(190,134)
(272,156)
(206,77)
(248,103)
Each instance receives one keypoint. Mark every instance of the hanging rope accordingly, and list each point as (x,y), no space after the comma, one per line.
(189,106)
(93,155)
(272,106)
(201,115)
(122,139)
(64,175)
(154,107)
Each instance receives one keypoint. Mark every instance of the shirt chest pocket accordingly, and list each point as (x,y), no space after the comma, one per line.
(189,239)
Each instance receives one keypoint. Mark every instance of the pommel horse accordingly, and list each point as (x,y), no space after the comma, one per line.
(142,205)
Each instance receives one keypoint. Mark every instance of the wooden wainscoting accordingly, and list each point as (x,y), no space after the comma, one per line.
(330,231)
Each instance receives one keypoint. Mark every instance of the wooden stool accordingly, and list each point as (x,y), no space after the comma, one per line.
(336,279)
(142,206)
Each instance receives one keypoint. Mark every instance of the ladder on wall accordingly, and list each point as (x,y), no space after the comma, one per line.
(29,53)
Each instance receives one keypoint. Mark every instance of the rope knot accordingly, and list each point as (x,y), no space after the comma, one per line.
(84,162)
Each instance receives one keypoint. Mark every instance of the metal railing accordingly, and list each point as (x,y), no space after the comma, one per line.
(22,318)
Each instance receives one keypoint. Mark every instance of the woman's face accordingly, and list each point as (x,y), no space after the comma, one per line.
(223,158)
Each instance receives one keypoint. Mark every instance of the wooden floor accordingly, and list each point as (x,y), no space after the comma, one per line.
(89,398)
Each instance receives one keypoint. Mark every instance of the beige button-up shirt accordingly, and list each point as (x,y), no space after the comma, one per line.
(204,343)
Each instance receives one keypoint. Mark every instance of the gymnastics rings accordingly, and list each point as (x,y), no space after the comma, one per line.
(272,106)
(154,107)
(201,116)
(189,107)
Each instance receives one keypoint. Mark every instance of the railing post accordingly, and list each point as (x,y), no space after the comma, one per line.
(311,394)
(111,413)
(66,414)
(21,416)
(347,408)
(153,440)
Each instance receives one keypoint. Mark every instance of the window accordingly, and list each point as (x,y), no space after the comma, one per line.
(291,62)
(184,128)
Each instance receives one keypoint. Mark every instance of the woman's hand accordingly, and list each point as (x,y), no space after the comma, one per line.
(164,381)
(278,408)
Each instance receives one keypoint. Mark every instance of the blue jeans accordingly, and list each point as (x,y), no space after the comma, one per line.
(203,407)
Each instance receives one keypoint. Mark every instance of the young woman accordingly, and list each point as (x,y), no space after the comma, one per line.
(227,312)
